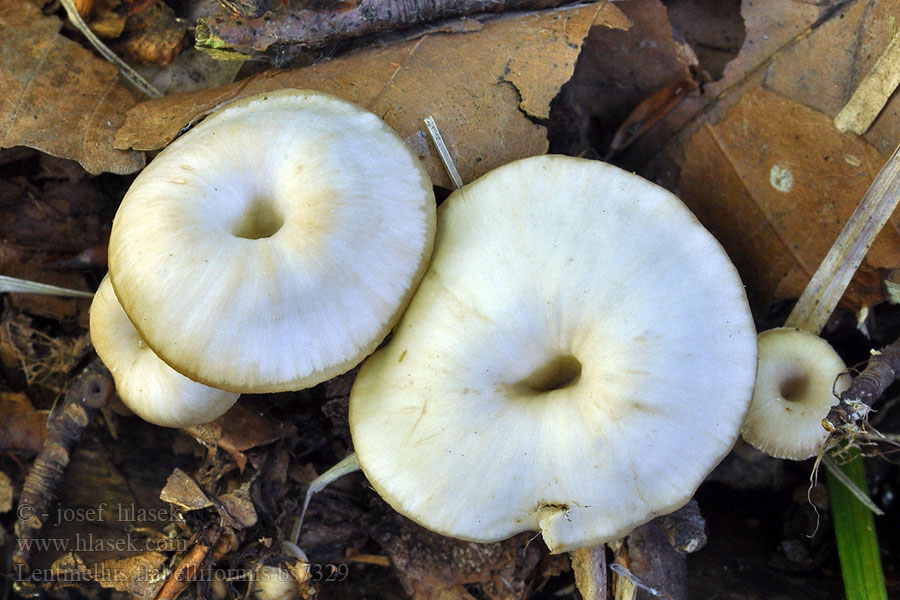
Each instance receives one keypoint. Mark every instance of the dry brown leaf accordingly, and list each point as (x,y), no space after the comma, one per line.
(237,430)
(184,492)
(236,508)
(57,96)
(727,143)
(824,68)
(776,182)
(142,575)
(22,427)
(482,88)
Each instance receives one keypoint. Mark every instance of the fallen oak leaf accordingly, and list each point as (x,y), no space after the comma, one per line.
(58,97)
(824,68)
(777,206)
(483,88)
(237,430)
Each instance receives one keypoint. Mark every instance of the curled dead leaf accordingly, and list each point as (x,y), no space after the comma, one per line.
(483,88)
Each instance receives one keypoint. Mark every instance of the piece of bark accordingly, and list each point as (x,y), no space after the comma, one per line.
(589,568)
(484,88)
(856,401)
(57,96)
(295,29)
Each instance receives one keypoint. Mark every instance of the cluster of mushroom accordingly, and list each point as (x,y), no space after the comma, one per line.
(270,248)
(579,355)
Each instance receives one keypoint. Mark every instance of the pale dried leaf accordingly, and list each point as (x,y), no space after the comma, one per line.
(778,206)
(58,97)
(184,492)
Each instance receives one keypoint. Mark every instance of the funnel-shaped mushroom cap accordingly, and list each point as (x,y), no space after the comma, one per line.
(275,244)
(579,356)
(148,386)
(797,382)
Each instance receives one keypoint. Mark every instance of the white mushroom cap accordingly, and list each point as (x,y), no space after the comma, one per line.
(797,382)
(148,386)
(274,583)
(275,244)
(578,357)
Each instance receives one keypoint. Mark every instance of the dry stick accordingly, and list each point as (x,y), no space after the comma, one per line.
(589,567)
(883,369)
(685,528)
(190,566)
(89,391)
(311,29)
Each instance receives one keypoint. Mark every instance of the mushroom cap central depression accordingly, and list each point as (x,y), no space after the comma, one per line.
(275,244)
(579,356)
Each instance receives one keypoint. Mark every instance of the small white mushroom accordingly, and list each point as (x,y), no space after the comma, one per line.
(274,245)
(274,583)
(148,386)
(797,382)
(577,359)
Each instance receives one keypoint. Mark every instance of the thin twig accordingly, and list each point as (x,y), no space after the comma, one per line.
(589,567)
(856,401)
(130,74)
(189,567)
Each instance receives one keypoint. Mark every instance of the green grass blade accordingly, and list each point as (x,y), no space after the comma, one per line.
(854,528)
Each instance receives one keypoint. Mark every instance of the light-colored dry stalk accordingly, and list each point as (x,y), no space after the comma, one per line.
(831,279)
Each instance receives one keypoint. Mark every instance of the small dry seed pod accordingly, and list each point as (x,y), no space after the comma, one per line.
(148,386)
(274,245)
(577,359)
(798,377)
